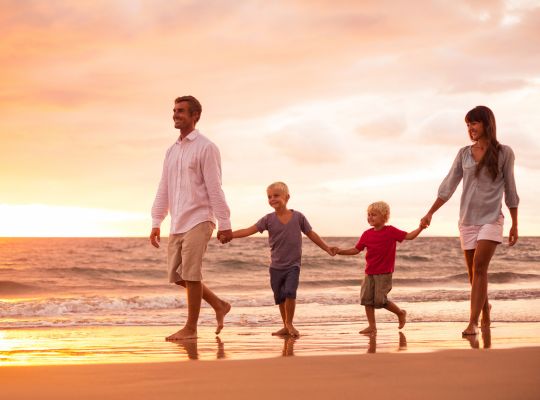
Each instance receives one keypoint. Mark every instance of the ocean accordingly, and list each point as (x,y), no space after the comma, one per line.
(96,282)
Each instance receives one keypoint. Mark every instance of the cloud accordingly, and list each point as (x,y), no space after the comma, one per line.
(383,127)
(306,144)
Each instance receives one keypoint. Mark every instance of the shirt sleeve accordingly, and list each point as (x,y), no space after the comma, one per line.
(511,197)
(305,227)
(451,182)
(397,234)
(262,224)
(211,170)
(361,244)
(160,208)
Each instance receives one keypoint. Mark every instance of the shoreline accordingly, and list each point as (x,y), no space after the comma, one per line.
(449,374)
(146,344)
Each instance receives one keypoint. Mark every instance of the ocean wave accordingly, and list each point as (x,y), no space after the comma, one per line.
(104,305)
(10,287)
(92,272)
(53,307)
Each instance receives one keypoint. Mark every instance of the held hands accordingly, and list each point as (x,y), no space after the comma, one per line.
(225,236)
(332,250)
(426,221)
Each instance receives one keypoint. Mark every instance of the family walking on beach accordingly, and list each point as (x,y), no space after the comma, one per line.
(190,191)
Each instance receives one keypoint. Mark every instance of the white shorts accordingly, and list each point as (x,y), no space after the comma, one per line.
(470,234)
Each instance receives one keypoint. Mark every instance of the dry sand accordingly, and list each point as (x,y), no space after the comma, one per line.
(449,374)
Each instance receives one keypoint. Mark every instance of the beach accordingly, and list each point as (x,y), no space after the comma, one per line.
(87,318)
(449,374)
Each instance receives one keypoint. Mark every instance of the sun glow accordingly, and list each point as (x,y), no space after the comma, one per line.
(38,220)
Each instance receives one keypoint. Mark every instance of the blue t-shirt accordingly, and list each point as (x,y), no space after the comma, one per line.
(285,240)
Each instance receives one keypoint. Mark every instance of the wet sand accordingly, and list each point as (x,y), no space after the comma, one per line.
(449,374)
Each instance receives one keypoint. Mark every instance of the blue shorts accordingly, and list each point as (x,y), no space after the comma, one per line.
(284,283)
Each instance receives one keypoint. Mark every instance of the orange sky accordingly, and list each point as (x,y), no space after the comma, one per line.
(348,102)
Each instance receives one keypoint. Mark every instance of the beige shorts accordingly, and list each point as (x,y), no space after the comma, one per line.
(470,234)
(186,251)
(374,290)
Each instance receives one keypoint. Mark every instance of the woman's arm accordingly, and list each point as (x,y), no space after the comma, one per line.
(513,235)
(426,219)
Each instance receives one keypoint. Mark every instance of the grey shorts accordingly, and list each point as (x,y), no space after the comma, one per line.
(284,283)
(375,289)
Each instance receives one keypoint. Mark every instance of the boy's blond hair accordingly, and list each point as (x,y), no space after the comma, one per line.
(280,186)
(381,207)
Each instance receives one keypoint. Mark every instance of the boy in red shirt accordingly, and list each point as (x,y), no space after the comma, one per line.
(380,242)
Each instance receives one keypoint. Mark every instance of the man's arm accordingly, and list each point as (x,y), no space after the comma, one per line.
(155,237)
(160,208)
(211,171)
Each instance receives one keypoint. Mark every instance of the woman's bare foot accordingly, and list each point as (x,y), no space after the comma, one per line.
(293,331)
(368,330)
(182,334)
(486,318)
(402,317)
(220,316)
(472,329)
(282,332)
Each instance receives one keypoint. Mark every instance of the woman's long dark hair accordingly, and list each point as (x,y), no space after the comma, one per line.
(490,160)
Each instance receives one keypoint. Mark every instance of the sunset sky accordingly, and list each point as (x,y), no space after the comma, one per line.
(349,102)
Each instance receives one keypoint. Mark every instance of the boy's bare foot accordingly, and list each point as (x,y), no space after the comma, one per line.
(282,332)
(182,334)
(220,316)
(402,319)
(472,329)
(486,318)
(369,330)
(293,331)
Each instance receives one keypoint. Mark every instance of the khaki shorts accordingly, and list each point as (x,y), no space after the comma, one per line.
(471,234)
(374,290)
(186,251)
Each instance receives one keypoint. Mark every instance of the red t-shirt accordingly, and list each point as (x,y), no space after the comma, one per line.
(381,248)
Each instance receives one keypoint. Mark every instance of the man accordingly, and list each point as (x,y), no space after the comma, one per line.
(190,190)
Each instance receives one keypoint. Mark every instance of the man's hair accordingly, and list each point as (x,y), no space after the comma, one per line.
(280,186)
(381,207)
(194,105)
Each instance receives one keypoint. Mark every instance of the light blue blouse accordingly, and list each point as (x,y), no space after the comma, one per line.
(481,199)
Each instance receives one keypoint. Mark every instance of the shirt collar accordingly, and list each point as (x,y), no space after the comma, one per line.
(194,134)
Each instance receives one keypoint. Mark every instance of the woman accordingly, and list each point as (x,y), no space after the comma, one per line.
(487,170)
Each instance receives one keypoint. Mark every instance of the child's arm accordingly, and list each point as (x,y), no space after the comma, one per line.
(240,233)
(319,242)
(348,252)
(412,235)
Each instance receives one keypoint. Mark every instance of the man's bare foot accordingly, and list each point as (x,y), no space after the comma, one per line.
(368,330)
(182,334)
(282,332)
(293,331)
(220,316)
(472,329)
(486,318)
(402,319)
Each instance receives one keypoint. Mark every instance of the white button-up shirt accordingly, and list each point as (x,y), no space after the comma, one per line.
(190,186)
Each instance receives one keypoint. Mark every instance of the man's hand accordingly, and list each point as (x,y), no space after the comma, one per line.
(225,236)
(155,237)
